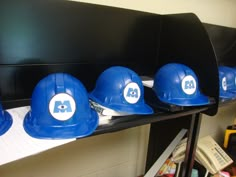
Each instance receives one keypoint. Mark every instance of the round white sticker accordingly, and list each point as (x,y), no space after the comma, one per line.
(62,106)
(224,84)
(132,93)
(189,85)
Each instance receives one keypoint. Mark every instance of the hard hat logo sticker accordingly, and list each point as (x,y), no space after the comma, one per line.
(132,93)
(62,106)
(189,85)
(224,85)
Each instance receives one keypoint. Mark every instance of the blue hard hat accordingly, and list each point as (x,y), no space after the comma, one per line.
(5,121)
(177,84)
(120,89)
(227,82)
(60,109)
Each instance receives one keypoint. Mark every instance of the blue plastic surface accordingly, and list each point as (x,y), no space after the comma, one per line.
(60,109)
(177,84)
(121,89)
(227,82)
(5,121)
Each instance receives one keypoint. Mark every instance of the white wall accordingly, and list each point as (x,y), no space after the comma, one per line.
(110,155)
(123,153)
(216,125)
(211,11)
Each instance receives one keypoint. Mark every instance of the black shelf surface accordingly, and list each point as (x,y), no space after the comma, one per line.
(226,102)
(33,146)
(125,122)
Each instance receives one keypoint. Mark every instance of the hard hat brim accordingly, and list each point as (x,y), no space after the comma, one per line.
(84,127)
(232,91)
(227,95)
(142,109)
(6,123)
(198,101)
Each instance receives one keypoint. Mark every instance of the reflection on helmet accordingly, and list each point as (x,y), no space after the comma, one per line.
(177,84)
(5,121)
(60,109)
(227,82)
(120,89)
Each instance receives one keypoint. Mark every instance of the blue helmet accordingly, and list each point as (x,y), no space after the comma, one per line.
(227,82)
(120,89)
(177,84)
(60,109)
(5,121)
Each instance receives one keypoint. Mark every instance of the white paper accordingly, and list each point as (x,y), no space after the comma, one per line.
(148,83)
(16,143)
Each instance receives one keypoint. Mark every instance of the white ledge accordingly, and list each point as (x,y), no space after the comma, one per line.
(16,143)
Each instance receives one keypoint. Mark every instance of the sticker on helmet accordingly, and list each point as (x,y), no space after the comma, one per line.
(62,106)
(189,85)
(132,93)
(235,81)
(224,85)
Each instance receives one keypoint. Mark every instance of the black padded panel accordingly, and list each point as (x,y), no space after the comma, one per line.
(185,40)
(42,37)
(224,42)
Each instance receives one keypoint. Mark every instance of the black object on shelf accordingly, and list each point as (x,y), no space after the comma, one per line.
(224,42)
(124,122)
(60,36)
(157,104)
(231,148)
(184,39)
(38,38)
(224,102)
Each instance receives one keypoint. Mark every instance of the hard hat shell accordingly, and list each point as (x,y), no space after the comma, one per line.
(60,109)
(177,84)
(227,82)
(5,121)
(120,89)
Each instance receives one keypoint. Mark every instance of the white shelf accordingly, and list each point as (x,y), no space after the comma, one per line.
(16,143)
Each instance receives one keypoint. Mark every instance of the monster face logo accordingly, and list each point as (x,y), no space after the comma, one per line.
(189,85)
(132,93)
(62,106)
